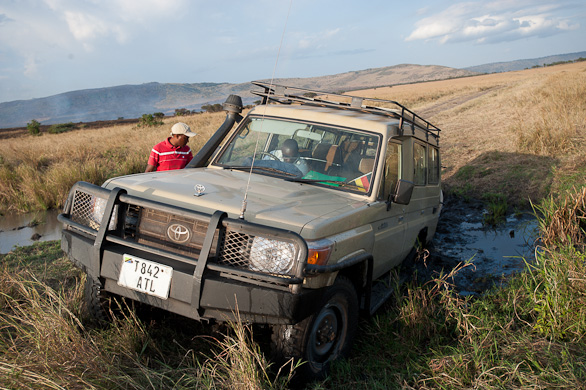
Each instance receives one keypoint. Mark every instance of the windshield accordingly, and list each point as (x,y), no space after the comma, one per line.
(297,151)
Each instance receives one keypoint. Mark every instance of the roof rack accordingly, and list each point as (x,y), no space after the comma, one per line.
(287,95)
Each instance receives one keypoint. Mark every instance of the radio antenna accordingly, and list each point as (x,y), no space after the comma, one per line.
(244,201)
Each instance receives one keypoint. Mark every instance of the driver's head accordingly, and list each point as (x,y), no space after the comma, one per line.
(290,150)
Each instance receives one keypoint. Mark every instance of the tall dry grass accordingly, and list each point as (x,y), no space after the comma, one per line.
(47,343)
(551,120)
(522,133)
(36,173)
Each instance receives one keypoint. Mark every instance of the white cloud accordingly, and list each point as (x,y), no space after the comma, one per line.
(494,22)
(85,27)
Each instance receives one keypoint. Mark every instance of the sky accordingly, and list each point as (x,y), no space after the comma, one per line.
(49,47)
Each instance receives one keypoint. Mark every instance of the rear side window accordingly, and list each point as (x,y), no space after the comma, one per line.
(419,164)
(434,166)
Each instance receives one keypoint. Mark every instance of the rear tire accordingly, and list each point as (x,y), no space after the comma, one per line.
(324,336)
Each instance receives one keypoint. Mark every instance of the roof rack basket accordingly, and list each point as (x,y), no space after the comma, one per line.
(288,95)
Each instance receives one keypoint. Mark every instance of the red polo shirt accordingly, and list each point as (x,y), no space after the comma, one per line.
(165,156)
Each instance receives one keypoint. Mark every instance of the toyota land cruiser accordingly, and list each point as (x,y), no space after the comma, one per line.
(294,235)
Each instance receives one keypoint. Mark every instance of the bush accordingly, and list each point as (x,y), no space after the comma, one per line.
(149,120)
(61,128)
(34,127)
(182,112)
(212,107)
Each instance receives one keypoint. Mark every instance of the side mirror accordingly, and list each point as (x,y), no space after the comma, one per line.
(403,192)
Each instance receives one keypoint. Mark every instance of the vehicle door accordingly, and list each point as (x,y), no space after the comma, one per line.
(422,210)
(389,228)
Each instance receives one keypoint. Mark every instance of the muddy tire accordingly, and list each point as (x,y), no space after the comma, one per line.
(323,337)
(96,302)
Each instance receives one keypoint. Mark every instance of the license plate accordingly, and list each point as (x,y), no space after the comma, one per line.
(145,276)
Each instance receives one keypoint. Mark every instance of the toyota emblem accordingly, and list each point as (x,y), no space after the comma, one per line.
(178,233)
(199,189)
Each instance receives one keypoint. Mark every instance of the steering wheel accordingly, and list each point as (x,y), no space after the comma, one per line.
(262,154)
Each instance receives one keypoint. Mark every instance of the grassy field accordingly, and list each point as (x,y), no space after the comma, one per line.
(36,172)
(513,137)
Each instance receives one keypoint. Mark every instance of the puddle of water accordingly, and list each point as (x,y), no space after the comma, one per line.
(496,253)
(17,230)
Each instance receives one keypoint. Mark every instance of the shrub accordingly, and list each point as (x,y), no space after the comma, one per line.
(212,107)
(61,128)
(34,127)
(181,111)
(149,120)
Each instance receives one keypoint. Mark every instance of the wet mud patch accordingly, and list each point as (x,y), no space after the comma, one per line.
(494,253)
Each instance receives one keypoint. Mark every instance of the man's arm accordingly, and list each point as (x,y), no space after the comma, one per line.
(150,168)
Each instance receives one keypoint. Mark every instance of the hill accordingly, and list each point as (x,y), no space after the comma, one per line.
(132,101)
(497,67)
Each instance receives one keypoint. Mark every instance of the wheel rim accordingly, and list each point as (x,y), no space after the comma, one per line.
(327,332)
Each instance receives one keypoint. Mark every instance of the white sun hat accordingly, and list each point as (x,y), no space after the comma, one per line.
(182,128)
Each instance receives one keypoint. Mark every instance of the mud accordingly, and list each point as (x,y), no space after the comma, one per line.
(489,255)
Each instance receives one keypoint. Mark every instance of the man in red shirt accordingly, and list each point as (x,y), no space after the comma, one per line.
(172,153)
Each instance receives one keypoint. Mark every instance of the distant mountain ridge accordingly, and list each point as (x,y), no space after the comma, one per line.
(132,101)
(510,66)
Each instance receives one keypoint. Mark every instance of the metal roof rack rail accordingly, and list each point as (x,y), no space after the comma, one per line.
(287,95)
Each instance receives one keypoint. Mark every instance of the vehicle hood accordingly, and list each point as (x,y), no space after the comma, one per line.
(270,201)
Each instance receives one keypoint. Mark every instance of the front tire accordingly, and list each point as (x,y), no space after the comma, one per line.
(324,336)
(96,302)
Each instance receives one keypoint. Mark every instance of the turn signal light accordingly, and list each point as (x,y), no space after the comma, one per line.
(319,252)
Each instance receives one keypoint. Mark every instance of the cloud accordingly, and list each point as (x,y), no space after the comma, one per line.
(121,19)
(315,41)
(4,19)
(495,21)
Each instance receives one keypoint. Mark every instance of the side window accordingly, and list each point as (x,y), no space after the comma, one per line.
(419,164)
(392,169)
(434,166)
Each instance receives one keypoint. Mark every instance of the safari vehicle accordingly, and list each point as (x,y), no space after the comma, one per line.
(297,244)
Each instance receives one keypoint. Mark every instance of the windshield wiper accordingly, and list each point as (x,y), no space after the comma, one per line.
(267,169)
(340,183)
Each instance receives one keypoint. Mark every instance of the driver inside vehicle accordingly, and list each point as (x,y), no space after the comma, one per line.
(289,153)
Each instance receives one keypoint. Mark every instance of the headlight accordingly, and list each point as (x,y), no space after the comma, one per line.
(272,256)
(98,210)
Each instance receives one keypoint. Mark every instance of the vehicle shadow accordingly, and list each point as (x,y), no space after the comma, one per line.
(519,177)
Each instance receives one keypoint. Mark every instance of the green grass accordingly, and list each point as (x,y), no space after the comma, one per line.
(496,206)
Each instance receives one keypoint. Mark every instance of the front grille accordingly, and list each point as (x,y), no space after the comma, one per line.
(131,221)
(82,209)
(177,233)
